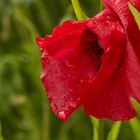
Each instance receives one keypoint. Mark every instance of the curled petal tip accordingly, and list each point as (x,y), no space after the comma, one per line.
(40,43)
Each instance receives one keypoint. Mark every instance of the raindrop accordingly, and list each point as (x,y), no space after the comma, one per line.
(112,111)
(62,115)
(108,49)
(81,81)
(43,74)
(109,17)
(68,64)
(54,107)
(44,54)
(70,90)
(90,77)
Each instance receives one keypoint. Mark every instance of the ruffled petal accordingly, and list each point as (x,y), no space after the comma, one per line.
(69,60)
(133,48)
(132,72)
(112,39)
(111,99)
(120,7)
(113,102)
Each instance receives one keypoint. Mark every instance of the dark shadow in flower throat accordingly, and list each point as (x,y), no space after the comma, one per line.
(92,48)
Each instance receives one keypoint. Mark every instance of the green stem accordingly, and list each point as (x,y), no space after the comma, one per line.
(98,128)
(113,134)
(135,13)
(78,11)
(101,6)
(135,125)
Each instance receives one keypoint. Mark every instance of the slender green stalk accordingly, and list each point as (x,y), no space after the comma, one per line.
(78,11)
(135,125)
(113,134)
(98,128)
(101,6)
(135,13)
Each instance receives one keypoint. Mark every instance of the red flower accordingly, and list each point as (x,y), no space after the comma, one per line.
(94,63)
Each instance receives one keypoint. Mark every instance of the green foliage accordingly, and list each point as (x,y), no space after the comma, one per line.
(113,134)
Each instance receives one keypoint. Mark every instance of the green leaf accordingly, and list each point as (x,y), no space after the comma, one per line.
(135,122)
(78,11)
(113,134)
(135,13)
(135,125)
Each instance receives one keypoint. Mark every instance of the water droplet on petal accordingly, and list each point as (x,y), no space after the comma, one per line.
(54,107)
(81,81)
(70,90)
(68,64)
(44,54)
(62,115)
(108,49)
(109,17)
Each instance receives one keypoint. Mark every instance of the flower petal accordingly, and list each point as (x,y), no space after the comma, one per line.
(113,102)
(133,47)
(69,60)
(132,71)
(110,100)
(120,7)
(112,39)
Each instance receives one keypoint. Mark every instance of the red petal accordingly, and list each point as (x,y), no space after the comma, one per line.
(132,72)
(108,94)
(133,48)
(120,7)
(68,64)
(113,102)
(112,39)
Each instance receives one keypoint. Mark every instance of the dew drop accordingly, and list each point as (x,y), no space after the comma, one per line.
(109,17)
(54,107)
(62,115)
(44,54)
(112,111)
(68,64)
(78,99)
(108,49)
(70,90)
(81,81)
(90,77)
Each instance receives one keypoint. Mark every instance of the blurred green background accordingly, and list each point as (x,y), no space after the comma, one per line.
(24,109)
